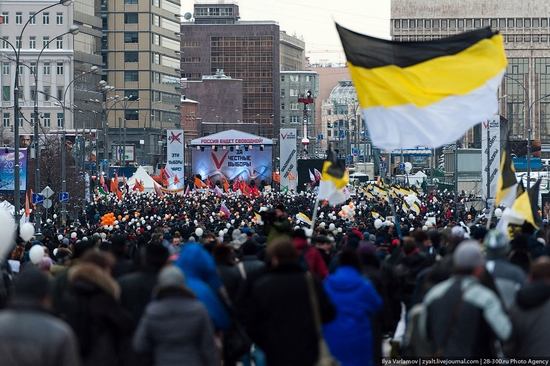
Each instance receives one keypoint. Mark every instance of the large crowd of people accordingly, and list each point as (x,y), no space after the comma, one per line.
(208,277)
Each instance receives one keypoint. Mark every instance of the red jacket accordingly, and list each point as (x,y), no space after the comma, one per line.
(313,257)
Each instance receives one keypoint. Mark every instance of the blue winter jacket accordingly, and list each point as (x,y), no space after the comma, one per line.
(201,277)
(349,336)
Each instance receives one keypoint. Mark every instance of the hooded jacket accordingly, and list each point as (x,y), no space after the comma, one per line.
(531,319)
(201,277)
(349,336)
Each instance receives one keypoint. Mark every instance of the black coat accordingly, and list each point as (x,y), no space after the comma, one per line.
(96,316)
(280,317)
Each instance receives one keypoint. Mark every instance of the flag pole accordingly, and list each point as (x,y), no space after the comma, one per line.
(314,216)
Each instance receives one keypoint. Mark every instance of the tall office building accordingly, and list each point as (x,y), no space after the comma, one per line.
(140,58)
(524,99)
(216,39)
(46,35)
(87,54)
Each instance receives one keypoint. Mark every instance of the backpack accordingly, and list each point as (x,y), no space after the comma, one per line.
(302,261)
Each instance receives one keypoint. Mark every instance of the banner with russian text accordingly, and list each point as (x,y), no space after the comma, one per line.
(175,158)
(490,156)
(289,175)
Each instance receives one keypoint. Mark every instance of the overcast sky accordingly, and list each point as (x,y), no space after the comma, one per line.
(313,21)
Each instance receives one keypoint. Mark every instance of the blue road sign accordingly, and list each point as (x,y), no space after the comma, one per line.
(105,162)
(319,137)
(342,135)
(143,163)
(37,199)
(383,165)
(120,151)
(63,197)
(402,166)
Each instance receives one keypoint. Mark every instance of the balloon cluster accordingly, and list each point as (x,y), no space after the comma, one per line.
(108,220)
(347,212)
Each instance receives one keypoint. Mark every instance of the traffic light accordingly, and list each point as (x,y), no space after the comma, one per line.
(329,124)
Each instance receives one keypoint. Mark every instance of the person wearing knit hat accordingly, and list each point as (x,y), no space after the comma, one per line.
(177,324)
(462,317)
(23,345)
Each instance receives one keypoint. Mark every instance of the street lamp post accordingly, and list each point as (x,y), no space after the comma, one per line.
(529,138)
(16,110)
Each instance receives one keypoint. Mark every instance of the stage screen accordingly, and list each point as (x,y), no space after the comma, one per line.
(7,164)
(250,163)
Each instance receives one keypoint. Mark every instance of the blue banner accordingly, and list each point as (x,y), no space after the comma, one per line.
(521,163)
(7,169)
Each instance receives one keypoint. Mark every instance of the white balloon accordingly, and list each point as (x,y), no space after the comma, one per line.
(408,167)
(55,216)
(198,232)
(26,231)
(36,253)
(378,223)
(7,227)
(331,227)
(309,232)
(498,212)
(73,235)
(220,233)
(60,237)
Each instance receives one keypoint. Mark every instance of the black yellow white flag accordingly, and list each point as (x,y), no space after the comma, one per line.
(425,93)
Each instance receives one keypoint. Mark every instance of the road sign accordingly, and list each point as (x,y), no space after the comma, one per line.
(47,203)
(37,199)
(383,165)
(342,135)
(143,163)
(105,161)
(402,166)
(47,192)
(319,137)
(63,197)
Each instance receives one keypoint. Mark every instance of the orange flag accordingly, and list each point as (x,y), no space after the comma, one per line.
(199,183)
(291,176)
(276,177)
(27,205)
(176,180)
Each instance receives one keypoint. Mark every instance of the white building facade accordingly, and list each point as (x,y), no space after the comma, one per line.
(46,57)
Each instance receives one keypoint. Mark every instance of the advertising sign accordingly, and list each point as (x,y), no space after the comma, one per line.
(490,156)
(244,162)
(175,157)
(289,176)
(7,168)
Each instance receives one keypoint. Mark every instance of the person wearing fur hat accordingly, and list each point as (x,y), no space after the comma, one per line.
(176,324)
(94,310)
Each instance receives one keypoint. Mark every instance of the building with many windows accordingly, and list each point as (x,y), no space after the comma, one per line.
(296,84)
(215,39)
(525,26)
(140,48)
(45,67)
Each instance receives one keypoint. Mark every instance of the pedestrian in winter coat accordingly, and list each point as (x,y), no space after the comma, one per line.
(280,318)
(349,336)
(136,291)
(315,263)
(201,277)
(470,330)
(176,326)
(29,335)
(531,314)
(94,311)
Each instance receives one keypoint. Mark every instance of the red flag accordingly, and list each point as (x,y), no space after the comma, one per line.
(199,183)
(276,177)
(176,180)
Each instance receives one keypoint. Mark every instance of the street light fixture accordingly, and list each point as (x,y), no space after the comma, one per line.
(16,170)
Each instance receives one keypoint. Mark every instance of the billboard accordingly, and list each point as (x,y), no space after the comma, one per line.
(288,162)
(175,157)
(245,162)
(490,156)
(7,169)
